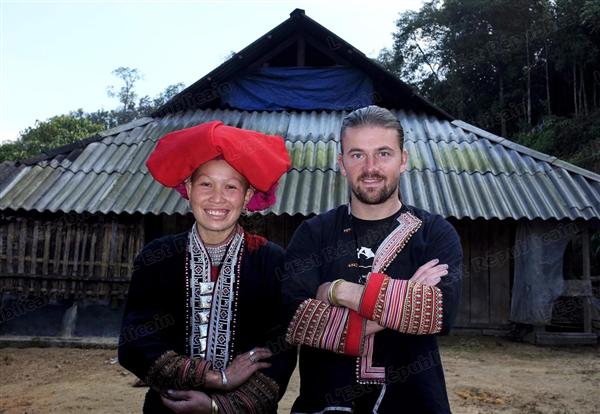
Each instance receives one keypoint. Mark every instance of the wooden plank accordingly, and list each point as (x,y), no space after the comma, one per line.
(66,257)
(463,317)
(499,265)
(46,257)
(301,52)
(57,241)
(34,247)
(92,268)
(22,246)
(130,251)
(273,52)
(566,338)
(117,251)
(3,228)
(587,306)
(105,252)
(577,288)
(77,250)
(332,45)
(9,247)
(83,253)
(66,262)
(480,289)
(33,256)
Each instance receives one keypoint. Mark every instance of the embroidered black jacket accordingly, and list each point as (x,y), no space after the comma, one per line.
(324,249)
(157,308)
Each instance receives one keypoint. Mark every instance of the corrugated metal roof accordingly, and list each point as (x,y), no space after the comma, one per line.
(454,169)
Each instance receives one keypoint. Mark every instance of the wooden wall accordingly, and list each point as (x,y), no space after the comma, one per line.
(487,273)
(92,255)
(68,255)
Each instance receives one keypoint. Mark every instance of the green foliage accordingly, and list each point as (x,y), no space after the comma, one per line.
(508,66)
(65,129)
(575,140)
(132,107)
(54,132)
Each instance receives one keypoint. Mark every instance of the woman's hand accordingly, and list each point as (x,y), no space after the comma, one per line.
(187,402)
(431,273)
(243,366)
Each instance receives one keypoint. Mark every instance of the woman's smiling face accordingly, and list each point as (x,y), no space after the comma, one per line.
(218,194)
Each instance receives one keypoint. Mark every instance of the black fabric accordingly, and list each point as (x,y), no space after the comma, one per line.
(155,314)
(320,251)
(368,235)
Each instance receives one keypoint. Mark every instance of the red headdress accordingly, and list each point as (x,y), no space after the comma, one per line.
(262,159)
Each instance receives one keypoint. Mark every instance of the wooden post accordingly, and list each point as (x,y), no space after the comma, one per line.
(587,308)
(301,52)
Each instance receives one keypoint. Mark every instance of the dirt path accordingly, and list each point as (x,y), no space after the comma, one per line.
(484,375)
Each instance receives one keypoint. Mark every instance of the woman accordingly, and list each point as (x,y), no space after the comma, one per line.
(202,310)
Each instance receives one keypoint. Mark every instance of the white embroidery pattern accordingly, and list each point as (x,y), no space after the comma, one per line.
(210,305)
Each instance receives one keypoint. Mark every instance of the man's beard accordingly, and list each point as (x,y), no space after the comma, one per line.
(375,196)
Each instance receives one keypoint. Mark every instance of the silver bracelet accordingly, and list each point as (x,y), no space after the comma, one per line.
(224,378)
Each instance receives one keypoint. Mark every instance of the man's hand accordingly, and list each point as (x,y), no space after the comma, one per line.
(372,327)
(322,292)
(430,273)
(348,294)
(187,402)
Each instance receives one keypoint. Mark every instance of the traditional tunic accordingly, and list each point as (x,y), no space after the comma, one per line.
(397,370)
(181,321)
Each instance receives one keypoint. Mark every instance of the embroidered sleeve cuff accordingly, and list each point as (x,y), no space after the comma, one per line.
(323,326)
(174,371)
(355,334)
(408,307)
(370,295)
(258,395)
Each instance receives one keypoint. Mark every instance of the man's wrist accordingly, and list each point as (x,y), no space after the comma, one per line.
(348,294)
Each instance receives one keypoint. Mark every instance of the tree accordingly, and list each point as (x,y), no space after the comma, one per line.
(132,106)
(528,69)
(65,129)
(126,94)
(54,132)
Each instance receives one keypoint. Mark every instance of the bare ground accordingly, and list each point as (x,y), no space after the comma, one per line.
(484,375)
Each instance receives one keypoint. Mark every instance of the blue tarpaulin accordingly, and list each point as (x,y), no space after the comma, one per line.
(302,88)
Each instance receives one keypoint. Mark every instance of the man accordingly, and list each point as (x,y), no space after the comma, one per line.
(368,286)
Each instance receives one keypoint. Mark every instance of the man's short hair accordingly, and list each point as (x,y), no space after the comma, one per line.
(372,115)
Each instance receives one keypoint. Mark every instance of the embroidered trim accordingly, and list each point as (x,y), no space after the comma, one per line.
(370,295)
(257,395)
(323,326)
(393,244)
(201,294)
(380,302)
(174,371)
(210,318)
(221,313)
(355,334)
(389,248)
(366,372)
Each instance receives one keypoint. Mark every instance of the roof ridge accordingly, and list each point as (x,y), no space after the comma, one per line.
(505,142)
(92,171)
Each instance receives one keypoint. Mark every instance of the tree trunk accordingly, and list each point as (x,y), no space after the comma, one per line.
(548,106)
(528,79)
(583,91)
(575,88)
(501,97)
(594,87)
